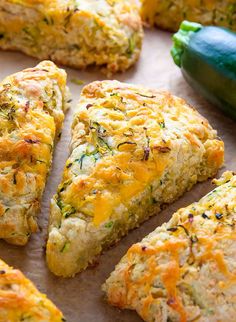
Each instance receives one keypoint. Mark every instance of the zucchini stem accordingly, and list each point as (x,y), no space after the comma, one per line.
(182,38)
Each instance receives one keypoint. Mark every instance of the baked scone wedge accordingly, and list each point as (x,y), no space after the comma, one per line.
(21,301)
(185,270)
(75,33)
(169,14)
(32,105)
(133,150)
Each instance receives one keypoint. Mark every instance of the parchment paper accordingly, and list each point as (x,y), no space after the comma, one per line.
(80,298)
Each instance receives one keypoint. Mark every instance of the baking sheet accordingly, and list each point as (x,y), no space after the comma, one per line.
(80,298)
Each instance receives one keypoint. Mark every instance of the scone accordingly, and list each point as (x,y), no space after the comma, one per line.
(169,14)
(133,150)
(21,301)
(32,104)
(106,33)
(186,269)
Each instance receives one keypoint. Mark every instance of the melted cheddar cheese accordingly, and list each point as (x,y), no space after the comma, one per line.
(106,33)
(132,150)
(21,301)
(185,270)
(32,104)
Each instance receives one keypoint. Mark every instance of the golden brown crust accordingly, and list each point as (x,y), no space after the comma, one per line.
(32,104)
(21,301)
(185,270)
(133,149)
(106,33)
(169,14)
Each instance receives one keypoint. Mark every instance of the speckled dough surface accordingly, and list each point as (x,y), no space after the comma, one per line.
(21,301)
(133,150)
(106,33)
(184,270)
(169,14)
(32,105)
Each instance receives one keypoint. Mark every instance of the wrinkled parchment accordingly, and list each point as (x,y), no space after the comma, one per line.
(80,298)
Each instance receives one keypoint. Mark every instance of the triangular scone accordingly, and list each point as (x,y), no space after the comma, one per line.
(21,301)
(133,150)
(80,33)
(185,270)
(32,104)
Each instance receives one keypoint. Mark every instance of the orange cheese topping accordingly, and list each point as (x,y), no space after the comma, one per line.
(19,297)
(124,145)
(170,274)
(31,118)
(197,236)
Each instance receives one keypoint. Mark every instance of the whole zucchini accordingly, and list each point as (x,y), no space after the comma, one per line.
(207,58)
